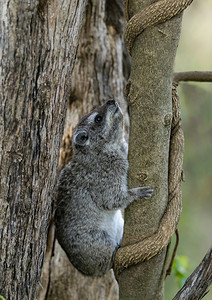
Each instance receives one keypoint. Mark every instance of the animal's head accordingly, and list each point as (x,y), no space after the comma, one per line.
(103,126)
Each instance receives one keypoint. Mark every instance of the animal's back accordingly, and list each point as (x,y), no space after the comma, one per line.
(92,189)
(79,217)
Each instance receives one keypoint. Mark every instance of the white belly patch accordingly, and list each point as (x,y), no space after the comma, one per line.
(113,223)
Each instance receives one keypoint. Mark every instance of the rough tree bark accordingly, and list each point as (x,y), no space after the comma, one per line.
(38,49)
(150,102)
(97,76)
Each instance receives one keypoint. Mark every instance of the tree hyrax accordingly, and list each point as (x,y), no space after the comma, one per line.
(91,190)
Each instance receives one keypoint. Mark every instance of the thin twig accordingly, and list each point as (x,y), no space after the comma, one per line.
(168,272)
(203,76)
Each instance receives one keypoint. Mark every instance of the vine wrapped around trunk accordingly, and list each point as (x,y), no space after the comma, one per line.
(147,225)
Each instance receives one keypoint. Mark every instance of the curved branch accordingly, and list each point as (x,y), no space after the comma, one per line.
(203,76)
(196,286)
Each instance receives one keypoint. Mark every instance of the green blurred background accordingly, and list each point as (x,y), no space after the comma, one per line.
(195,54)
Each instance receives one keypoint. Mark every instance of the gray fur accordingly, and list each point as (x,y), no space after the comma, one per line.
(92,189)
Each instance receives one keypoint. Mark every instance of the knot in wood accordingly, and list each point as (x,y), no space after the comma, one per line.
(167,119)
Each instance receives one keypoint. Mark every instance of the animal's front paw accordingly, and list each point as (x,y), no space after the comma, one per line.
(142,192)
(145,192)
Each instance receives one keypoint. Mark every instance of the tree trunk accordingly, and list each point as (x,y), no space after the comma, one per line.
(98,76)
(150,102)
(38,47)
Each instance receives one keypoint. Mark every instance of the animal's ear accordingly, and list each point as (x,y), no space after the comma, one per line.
(80,137)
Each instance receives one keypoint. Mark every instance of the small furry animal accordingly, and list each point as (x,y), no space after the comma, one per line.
(91,190)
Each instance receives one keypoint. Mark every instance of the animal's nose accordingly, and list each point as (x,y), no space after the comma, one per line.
(111,102)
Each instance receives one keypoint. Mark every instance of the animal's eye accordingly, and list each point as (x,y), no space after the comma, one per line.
(83,138)
(98,119)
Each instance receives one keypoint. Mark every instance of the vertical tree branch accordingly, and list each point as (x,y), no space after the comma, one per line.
(149,95)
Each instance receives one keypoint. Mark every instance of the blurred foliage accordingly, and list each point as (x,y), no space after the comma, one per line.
(180,269)
(195,225)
